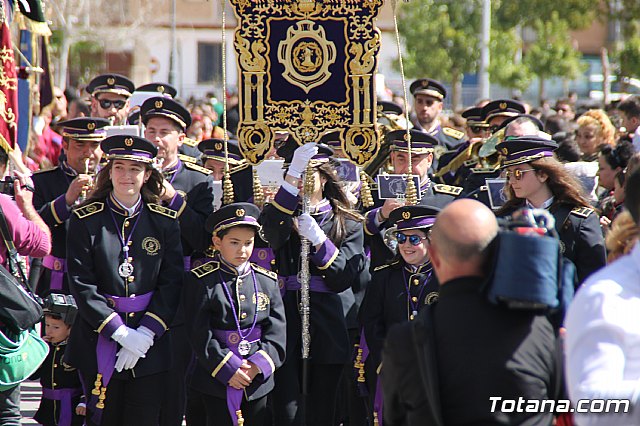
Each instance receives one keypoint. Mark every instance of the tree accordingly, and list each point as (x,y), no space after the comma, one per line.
(552,54)
(504,69)
(441,40)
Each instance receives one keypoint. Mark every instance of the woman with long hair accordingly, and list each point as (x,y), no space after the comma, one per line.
(336,260)
(125,273)
(536,179)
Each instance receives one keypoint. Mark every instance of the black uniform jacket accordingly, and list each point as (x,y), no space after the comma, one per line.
(339,267)
(55,374)
(386,302)
(193,202)
(582,241)
(50,188)
(207,308)
(460,352)
(433,195)
(95,252)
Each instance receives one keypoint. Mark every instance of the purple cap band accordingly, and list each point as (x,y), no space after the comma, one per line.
(134,152)
(416,222)
(217,153)
(545,152)
(238,220)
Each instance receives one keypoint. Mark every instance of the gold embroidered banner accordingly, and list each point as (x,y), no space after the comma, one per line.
(307,67)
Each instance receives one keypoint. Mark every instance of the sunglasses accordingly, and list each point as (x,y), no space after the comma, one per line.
(517,174)
(414,240)
(106,104)
(494,128)
(478,129)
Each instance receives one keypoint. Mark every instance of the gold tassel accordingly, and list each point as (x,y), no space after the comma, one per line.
(240,418)
(411,193)
(258,193)
(97,384)
(365,191)
(101,398)
(227,189)
(309,181)
(360,366)
(376,422)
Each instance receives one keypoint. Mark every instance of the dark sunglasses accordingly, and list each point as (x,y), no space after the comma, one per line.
(414,240)
(478,129)
(494,128)
(106,104)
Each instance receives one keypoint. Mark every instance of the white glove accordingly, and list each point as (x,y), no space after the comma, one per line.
(133,340)
(126,360)
(144,330)
(301,158)
(309,229)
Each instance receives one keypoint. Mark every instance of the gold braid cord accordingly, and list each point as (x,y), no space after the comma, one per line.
(258,192)
(227,188)
(365,191)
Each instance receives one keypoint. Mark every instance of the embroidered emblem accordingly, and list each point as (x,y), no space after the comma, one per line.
(240,212)
(151,246)
(111,81)
(128,141)
(406,215)
(503,105)
(158,104)
(431,298)
(263,301)
(91,126)
(233,338)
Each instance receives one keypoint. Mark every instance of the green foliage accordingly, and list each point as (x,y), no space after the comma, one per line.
(577,13)
(552,54)
(628,58)
(503,69)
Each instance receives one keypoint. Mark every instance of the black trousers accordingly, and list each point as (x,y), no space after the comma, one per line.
(216,413)
(318,406)
(173,405)
(131,402)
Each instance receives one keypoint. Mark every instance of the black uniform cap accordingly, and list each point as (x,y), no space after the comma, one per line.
(110,83)
(473,116)
(413,217)
(331,139)
(286,150)
(429,87)
(84,128)
(233,215)
(167,108)
(524,149)
(386,107)
(502,107)
(127,147)
(421,142)
(214,149)
(162,89)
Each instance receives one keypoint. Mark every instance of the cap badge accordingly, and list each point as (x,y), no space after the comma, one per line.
(406,215)
(161,89)
(505,151)
(158,104)
(424,83)
(128,141)
(503,105)
(91,126)
(240,212)
(111,81)
(405,137)
(218,146)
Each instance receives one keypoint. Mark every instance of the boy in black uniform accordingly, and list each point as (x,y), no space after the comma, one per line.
(236,323)
(61,387)
(188,190)
(57,190)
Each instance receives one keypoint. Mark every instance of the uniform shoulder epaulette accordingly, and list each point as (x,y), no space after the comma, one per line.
(164,211)
(582,211)
(264,271)
(447,189)
(190,142)
(187,158)
(89,209)
(197,168)
(456,134)
(206,269)
(386,265)
(50,169)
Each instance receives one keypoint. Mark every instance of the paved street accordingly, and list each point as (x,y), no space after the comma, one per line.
(29,401)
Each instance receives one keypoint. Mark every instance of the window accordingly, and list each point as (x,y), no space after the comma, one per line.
(209,62)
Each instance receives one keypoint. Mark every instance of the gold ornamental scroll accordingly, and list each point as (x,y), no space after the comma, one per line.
(307,67)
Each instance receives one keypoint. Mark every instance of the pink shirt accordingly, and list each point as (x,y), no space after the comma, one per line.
(27,237)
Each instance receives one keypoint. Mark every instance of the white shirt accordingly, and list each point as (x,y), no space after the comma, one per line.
(635,139)
(602,347)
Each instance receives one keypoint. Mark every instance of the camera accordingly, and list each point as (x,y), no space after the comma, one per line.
(62,305)
(6,186)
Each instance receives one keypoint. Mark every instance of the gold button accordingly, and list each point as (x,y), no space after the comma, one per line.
(130,279)
(242,298)
(244,315)
(411,317)
(130,259)
(53,385)
(126,223)
(416,281)
(132,314)
(57,348)
(55,365)
(282,222)
(414,299)
(129,243)
(273,261)
(239,281)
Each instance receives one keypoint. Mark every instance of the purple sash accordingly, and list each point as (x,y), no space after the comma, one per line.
(187,263)
(363,349)
(291,283)
(107,347)
(230,339)
(378,401)
(263,257)
(64,396)
(57,266)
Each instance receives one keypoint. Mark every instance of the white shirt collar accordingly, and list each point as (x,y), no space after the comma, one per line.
(130,210)
(544,205)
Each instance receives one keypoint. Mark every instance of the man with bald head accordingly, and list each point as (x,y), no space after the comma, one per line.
(464,360)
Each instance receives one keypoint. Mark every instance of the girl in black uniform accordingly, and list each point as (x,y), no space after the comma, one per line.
(536,179)
(398,290)
(336,259)
(125,273)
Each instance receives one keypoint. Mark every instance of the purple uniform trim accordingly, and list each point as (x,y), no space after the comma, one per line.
(177,203)
(64,395)
(370,227)
(59,207)
(285,201)
(291,283)
(58,267)
(325,255)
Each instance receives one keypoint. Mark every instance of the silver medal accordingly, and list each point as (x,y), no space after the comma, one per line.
(244,347)
(125,269)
